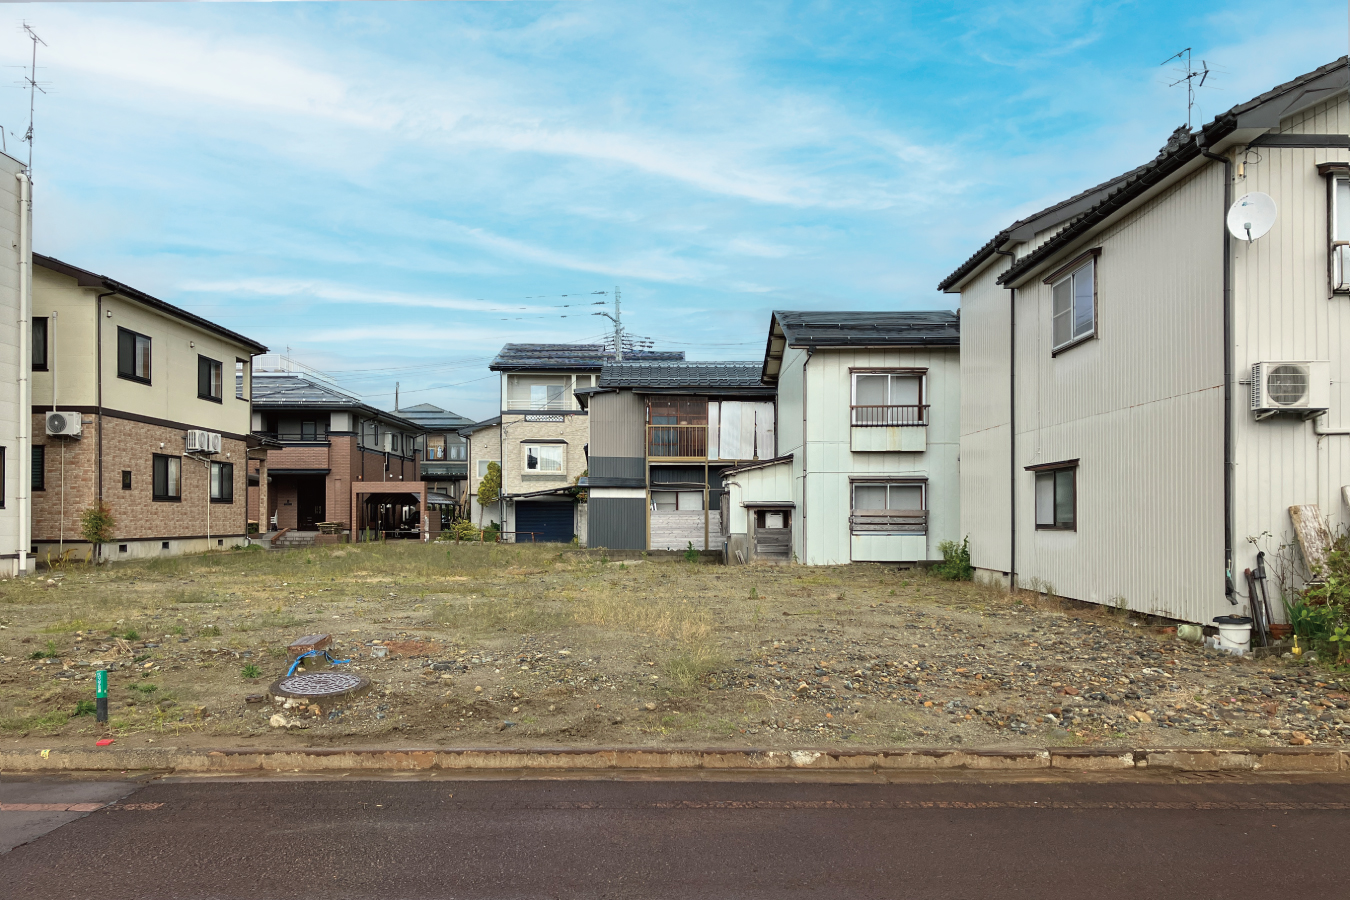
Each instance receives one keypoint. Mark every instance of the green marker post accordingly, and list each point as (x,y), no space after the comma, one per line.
(101,695)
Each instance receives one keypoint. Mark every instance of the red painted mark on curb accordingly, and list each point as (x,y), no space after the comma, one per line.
(50,807)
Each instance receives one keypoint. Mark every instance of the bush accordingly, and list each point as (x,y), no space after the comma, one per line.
(955,565)
(97,525)
(1320,614)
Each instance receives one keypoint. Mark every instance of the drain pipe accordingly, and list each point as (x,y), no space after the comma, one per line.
(1322,431)
(1229,590)
(810,351)
(1012,428)
(25,381)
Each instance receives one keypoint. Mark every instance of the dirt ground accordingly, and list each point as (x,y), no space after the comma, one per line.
(470,645)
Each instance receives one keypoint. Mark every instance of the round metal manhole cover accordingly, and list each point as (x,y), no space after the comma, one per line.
(320,684)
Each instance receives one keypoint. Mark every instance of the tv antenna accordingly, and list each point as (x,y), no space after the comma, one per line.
(1192,73)
(33,88)
(617,319)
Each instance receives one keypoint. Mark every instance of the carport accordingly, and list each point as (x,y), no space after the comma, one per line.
(391,510)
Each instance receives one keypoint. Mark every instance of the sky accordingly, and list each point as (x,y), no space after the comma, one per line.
(391,191)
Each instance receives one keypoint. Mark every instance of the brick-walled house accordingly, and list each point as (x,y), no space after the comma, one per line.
(15,384)
(333,445)
(134,401)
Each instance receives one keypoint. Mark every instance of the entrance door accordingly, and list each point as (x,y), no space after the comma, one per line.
(310,503)
(549,522)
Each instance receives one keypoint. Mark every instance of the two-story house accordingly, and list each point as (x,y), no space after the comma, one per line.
(662,433)
(1150,379)
(341,462)
(16,364)
(867,466)
(544,432)
(444,465)
(140,405)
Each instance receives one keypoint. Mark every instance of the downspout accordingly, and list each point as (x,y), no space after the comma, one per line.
(1321,431)
(98,382)
(1012,428)
(1229,590)
(25,382)
(809,352)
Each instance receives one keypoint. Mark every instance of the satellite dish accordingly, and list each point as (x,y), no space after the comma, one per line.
(1251,216)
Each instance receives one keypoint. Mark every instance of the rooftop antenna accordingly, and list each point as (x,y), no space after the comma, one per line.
(1191,74)
(617,319)
(33,88)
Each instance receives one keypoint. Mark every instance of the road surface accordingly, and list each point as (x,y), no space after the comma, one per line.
(572,839)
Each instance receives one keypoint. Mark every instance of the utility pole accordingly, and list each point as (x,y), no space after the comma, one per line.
(617,319)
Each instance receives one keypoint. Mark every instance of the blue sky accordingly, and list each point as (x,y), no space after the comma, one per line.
(394,190)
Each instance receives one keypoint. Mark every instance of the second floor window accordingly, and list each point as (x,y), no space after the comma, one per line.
(210,385)
(884,398)
(457,452)
(435,447)
(1074,305)
(40,344)
(167,477)
(536,392)
(133,356)
(545,459)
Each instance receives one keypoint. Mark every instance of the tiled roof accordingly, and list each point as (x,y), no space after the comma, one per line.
(939,327)
(291,391)
(479,426)
(434,418)
(737,376)
(1106,198)
(570,357)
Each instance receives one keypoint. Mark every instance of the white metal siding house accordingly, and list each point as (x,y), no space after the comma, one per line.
(16,364)
(868,406)
(1109,446)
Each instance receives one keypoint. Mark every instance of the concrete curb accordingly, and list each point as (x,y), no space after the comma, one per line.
(1264,760)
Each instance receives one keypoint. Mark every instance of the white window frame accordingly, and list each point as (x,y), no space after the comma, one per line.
(482,466)
(1073,278)
(890,416)
(525,392)
(539,452)
(1340,242)
(685,500)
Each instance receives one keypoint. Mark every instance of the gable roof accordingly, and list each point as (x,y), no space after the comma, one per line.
(493,422)
(570,357)
(290,391)
(922,328)
(1246,122)
(85,278)
(737,377)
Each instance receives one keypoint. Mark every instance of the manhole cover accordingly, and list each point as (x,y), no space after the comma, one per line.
(320,684)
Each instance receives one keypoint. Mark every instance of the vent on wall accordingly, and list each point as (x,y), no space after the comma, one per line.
(1290,386)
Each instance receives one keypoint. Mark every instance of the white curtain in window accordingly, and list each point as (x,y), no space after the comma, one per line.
(1045,498)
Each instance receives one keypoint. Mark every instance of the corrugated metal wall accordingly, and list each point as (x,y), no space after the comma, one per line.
(618,425)
(1141,408)
(985,444)
(767,484)
(1284,310)
(617,523)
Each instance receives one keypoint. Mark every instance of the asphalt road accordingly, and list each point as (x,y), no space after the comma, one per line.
(538,839)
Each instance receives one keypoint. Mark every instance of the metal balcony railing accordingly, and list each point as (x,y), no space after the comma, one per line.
(889,521)
(903,414)
(680,441)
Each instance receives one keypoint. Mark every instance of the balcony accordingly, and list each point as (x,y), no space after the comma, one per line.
(893,428)
(298,437)
(677,441)
(889,521)
(887,415)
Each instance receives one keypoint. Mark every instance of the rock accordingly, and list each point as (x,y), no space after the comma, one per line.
(649,707)
(1298,738)
(803,687)
(278,721)
(478,689)
(1143,716)
(254,698)
(515,709)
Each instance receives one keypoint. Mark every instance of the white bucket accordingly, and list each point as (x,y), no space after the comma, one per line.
(1235,634)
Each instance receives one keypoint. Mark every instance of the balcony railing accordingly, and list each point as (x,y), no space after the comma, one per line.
(889,521)
(682,441)
(903,414)
(298,437)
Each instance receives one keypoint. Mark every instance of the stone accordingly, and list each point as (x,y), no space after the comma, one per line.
(649,707)
(478,689)
(1143,716)
(278,721)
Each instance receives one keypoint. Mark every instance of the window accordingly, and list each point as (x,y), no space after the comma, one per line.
(39,482)
(545,459)
(126,479)
(459,452)
(889,507)
(133,356)
(678,426)
(210,383)
(435,446)
(222,482)
(883,398)
(309,431)
(483,466)
(240,373)
(670,501)
(1074,305)
(536,392)
(168,484)
(40,343)
(1057,497)
(1338,222)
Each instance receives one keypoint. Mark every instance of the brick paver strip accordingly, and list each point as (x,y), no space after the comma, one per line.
(50,807)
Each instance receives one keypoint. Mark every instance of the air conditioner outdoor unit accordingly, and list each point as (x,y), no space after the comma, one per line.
(63,424)
(1302,387)
(203,442)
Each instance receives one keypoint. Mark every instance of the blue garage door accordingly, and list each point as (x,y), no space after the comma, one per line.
(552,522)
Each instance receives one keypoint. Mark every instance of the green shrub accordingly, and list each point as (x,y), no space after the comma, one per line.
(955,565)
(85,708)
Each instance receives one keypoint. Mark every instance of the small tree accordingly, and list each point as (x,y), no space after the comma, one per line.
(96,526)
(489,489)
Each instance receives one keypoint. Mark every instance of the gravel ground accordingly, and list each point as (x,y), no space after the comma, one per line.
(530,647)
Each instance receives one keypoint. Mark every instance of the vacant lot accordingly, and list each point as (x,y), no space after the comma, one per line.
(470,645)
